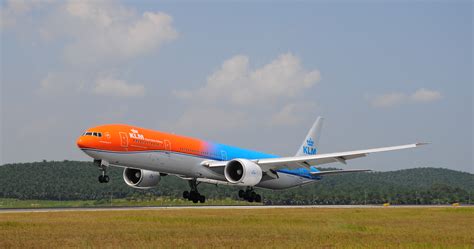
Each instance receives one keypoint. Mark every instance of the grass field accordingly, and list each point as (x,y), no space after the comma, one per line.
(163,201)
(242,228)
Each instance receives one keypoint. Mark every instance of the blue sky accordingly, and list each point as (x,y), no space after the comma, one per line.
(254,75)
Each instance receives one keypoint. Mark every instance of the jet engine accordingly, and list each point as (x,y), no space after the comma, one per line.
(243,172)
(142,179)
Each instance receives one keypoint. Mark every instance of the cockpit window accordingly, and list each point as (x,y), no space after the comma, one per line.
(91,133)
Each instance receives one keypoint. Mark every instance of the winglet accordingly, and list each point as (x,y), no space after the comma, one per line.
(422,143)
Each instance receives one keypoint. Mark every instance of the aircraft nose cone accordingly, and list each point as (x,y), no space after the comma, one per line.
(81,142)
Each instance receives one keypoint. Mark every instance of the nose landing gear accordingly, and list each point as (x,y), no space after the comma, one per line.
(103,177)
(194,195)
(250,195)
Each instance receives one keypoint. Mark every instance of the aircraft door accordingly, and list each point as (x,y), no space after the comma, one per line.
(123,139)
(167,148)
(167,145)
(224,155)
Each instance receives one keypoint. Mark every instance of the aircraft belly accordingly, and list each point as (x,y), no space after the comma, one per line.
(164,162)
(185,165)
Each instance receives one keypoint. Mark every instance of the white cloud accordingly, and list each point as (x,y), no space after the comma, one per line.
(425,95)
(397,98)
(106,31)
(235,83)
(235,96)
(389,99)
(16,10)
(293,113)
(60,83)
(95,36)
(119,88)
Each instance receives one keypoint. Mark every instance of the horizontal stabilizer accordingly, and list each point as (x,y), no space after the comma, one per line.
(334,172)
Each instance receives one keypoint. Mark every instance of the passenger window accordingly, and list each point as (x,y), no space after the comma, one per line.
(99,134)
(88,133)
(94,134)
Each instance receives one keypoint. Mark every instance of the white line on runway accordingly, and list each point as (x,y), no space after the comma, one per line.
(42,210)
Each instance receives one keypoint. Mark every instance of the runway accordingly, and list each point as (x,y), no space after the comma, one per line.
(106,209)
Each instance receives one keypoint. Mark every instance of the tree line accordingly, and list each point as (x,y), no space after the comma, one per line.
(73,180)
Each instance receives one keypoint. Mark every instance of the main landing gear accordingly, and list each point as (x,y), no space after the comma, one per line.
(103,177)
(250,195)
(194,195)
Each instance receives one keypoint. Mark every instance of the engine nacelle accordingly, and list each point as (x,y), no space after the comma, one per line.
(140,178)
(243,172)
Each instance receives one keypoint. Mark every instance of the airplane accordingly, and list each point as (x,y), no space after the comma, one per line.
(147,155)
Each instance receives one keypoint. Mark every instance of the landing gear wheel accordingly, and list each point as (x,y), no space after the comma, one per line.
(103,178)
(194,194)
(194,198)
(250,195)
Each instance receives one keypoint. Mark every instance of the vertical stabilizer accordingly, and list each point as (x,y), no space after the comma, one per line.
(311,141)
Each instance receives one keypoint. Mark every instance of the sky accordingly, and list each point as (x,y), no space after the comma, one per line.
(249,74)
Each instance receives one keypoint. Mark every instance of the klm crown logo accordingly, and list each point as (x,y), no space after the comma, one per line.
(310,142)
(309,149)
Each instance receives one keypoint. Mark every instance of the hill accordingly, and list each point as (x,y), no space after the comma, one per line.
(72,180)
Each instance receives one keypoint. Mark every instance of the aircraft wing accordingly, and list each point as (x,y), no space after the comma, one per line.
(269,164)
(334,172)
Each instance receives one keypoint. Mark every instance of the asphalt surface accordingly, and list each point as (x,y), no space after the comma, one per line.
(95,209)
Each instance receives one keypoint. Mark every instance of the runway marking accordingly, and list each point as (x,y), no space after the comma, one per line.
(43,210)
